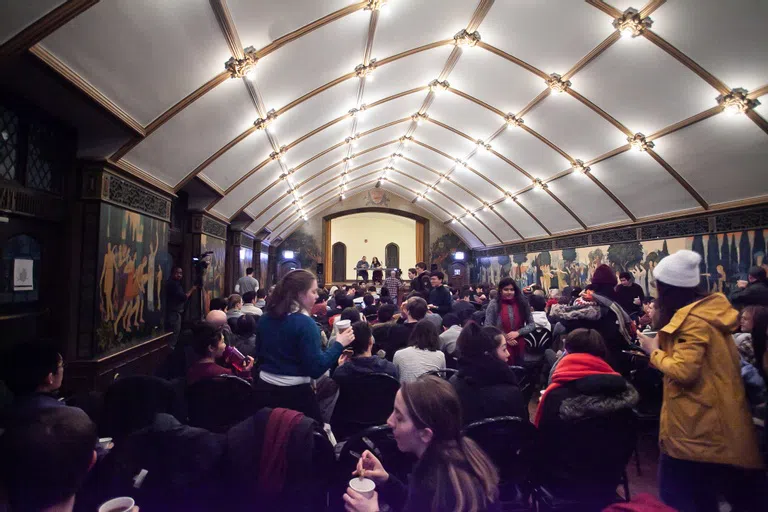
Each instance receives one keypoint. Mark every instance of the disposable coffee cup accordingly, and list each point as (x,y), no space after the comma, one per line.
(343,325)
(105,443)
(364,486)
(123,504)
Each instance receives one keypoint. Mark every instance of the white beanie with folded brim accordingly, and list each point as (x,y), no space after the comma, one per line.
(680,269)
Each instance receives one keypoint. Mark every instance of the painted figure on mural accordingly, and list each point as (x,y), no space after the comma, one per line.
(107,282)
(151,273)
(159,288)
(129,293)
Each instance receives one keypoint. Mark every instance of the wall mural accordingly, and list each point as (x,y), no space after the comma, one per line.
(133,267)
(305,249)
(726,258)
(444,249)
(376,197)
(213,280)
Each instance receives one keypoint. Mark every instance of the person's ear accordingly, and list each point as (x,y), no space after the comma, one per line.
(50,378)
(370,342)
(426,435)
(93,460)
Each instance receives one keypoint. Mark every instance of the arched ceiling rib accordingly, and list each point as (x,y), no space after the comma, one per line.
(621,86)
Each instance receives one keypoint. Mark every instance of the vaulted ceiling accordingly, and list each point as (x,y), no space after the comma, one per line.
(507,120)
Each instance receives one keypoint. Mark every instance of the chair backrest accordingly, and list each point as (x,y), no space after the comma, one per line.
(131,403)
(509,442)
(364,401)
(218,403)
(445,373)
(538,340)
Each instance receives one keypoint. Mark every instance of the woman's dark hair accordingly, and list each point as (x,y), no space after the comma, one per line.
(26,366)
(586,341)
(205,335)
(759,335)
(424,336)
(477,342)
(522,303)
(375,261)
(673,298)
(386,312)
(286,294)
(362,337)
(351,314)
(384,292)
(246,325)
(218,303)
(464,476)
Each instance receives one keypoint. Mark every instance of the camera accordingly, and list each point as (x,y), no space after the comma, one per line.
(199,266)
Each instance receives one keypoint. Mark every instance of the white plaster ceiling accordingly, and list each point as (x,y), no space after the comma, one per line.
(143,57)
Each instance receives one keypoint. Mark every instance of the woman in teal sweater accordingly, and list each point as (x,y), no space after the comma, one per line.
(290,346)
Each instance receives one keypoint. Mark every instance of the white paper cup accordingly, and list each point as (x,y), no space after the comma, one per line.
(123,504)
(105,442)
(364,486)
(343,325)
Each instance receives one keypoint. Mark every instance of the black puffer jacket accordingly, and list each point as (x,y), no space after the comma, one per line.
(755,294)
(586,436)
(487,388)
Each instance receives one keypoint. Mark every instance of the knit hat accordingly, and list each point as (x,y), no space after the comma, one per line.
(680,269)
(604,275)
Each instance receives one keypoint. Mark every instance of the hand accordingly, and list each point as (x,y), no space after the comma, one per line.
(356,502)
(647,343)
(636,301)
(344,357)
(370,467)
(431,306)
(346,337)
(249,364)
(741,283)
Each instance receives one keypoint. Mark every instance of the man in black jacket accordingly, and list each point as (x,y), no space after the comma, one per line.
(753,292)
(421,282)
(439,296)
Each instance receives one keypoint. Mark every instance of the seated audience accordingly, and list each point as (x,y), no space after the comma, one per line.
(480,294)
(218,318)
(422,355)
(386,297)
(320,309)
(554,298)
(485,383)
(343,301)
(208,344)
(352,314)
(261,296)
(630,295)
(439,296)
(370,307)
(412,310)
(384,323)
(539,305)
(290,348)
(451,331)
(357,359)
(585,411)
(452,472)
(463,303)
(234,303)
(245,335)
(753,321)
(248,307)
(33,372)
(44,459)
(510,312)
(753,291)
(372,291)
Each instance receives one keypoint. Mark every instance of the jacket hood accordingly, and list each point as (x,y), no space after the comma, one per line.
(599,395)
(713,309)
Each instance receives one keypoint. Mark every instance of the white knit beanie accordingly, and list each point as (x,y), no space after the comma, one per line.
(679,269)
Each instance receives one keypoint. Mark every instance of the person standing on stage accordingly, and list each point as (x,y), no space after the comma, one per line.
(175,299)
(362,269)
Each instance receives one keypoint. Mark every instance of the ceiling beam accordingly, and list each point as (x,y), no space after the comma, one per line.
(43,27)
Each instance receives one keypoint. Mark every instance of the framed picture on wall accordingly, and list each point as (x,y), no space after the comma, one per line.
(22,275)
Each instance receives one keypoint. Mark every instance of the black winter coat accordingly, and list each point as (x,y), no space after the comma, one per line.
(487,388)
(755,294)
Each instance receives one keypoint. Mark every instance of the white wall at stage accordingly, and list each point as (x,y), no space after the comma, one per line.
(367,234)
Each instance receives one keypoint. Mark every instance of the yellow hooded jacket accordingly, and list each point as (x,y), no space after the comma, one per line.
(705,416)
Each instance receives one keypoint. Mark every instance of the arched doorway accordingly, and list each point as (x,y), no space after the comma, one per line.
(286,266)
(392,256)
(458,275)
(339,262)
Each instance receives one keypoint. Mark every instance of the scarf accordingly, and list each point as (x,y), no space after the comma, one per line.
(274,453)
(573,367)
(512,324)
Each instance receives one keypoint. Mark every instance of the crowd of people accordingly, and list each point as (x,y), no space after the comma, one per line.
(456,357)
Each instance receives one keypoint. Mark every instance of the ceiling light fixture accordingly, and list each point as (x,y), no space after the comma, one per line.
(405,139)
(579,167)
(513,120)
(486,206)
(279,155)
(356,111)
(366,71)
(437,86)
(638,142)
(245,67)
(538,184)
(352,140)
(736,102)
(453,220)
(483,145)
(630,24)
(464,39)
(375,5)
(397,155)
(350,159)
(461,162)
(263,122)
(556,83)
(343,196)
(509,197)
(419,117)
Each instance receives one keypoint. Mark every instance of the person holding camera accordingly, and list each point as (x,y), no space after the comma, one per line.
(175,299)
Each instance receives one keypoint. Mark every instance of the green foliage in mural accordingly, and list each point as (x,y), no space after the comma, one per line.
(305,249)
(544,258)
(623,257)
(569,255)
(596,256)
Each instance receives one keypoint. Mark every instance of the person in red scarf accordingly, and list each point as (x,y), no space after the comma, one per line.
(586,424)
(511,313)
